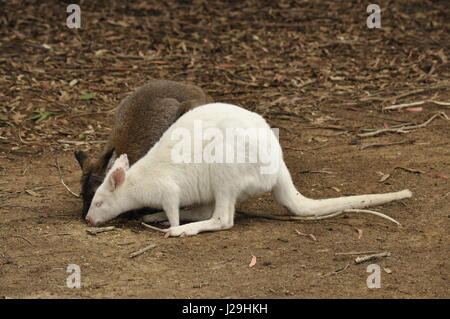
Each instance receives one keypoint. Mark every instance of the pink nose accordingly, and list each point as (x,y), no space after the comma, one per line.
(89,220)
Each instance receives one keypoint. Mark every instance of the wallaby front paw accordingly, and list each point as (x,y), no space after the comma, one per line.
(180,231)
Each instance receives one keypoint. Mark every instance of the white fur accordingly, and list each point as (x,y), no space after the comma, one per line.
(156,181)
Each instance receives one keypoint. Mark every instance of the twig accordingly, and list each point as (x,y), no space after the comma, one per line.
(306,83)
(386,176)
(127,243)
(401,106)
(410,170)
(18,152)
(317,172)
(60,234)
(355,253)
(82,142)
(363,147)
(96,231)
(226,261)
(18,236)
(86,114)
(372,213)
(18,206)
(442,85)
(402,129)
(310,149)
(290,218)
(337,271)
(141,251)
(153,227)
(362,259)
(62,180)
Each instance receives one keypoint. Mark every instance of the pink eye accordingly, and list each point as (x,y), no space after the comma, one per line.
(98,204)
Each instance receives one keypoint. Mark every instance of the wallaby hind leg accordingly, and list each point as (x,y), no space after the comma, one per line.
(172,210)
(193,214)
(197,213)
(222,218)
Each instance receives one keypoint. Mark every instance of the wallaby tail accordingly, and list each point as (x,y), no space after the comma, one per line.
(287,195)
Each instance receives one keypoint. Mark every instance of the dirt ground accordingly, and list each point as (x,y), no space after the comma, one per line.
(312,68)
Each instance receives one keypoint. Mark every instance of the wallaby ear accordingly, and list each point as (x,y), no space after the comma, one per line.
(111,161)
(117,178)
(185,107)
(122,162)
(107,159)
(81,157)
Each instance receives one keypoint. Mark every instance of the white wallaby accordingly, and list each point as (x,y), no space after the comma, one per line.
(161,180)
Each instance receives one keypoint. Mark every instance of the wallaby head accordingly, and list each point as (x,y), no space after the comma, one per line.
(93,173)
(108,201)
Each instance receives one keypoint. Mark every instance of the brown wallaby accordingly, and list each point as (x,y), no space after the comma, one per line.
(140,120)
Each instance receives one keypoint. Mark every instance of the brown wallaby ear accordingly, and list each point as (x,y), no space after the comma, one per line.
(117,178)
(106,158)
(81,157)
(186,106)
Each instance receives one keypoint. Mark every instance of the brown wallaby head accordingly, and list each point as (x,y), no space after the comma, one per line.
(94,172)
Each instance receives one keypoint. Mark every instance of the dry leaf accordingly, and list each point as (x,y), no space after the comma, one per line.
(360,232)
(225,65)
(18,117)
(306,235)
(114,38)
(320,139)
(253,262)
(414,109)
(64,96)
(100,52)
(32,193)
(300,233)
